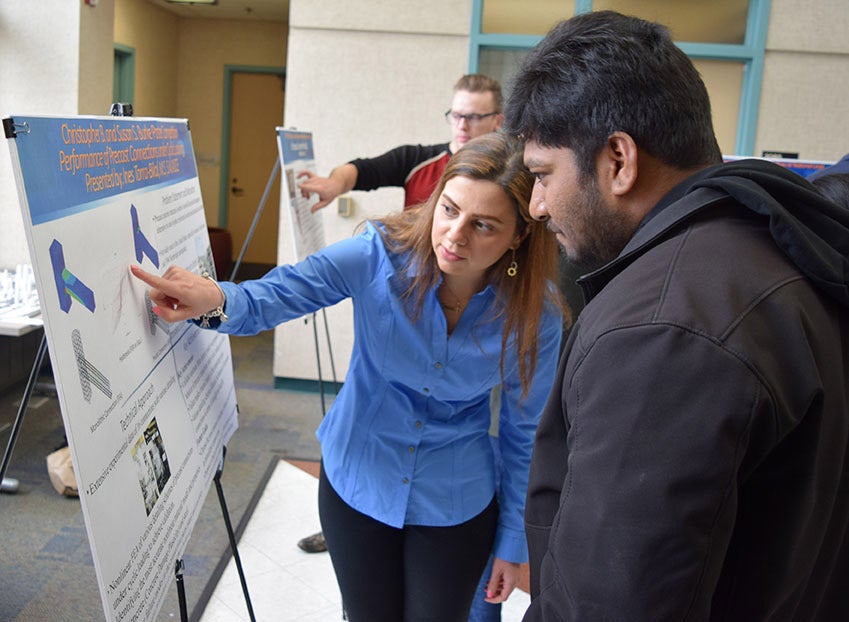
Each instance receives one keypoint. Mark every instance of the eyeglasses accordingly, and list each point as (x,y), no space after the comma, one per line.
(471,119)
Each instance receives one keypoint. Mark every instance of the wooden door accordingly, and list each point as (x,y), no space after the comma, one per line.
(256,109)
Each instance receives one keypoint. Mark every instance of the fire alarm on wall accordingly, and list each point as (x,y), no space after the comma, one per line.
(91,2)
(345,206)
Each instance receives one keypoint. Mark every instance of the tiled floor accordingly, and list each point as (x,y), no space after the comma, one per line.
(286,584)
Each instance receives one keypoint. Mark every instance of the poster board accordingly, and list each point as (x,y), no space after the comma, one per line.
(296,156)
(147,406)
(805,168)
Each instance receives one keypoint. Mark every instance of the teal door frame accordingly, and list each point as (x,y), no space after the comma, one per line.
(750,53)
(124,74)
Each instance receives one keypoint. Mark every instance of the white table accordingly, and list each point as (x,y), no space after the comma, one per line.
(16,325)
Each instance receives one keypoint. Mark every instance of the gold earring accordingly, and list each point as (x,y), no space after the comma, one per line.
(513,268)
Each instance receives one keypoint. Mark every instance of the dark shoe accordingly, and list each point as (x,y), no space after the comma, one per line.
(313,544)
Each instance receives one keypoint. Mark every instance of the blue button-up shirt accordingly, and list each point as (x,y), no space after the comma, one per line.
(406,440)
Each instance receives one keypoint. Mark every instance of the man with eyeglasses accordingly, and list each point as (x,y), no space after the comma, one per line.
(475,111)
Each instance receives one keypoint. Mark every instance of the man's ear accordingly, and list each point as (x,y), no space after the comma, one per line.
(617,165)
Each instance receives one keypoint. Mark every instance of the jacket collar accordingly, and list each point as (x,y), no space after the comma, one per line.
(810,230)
(667,214)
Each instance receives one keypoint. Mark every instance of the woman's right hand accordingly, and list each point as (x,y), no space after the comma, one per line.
(180,295)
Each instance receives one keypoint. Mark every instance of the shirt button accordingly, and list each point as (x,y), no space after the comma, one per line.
(405,481)
(438,365)
(418,424)
(425,390)
(412,449)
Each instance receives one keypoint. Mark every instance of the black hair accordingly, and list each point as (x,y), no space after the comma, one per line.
(602,72)
(834,187)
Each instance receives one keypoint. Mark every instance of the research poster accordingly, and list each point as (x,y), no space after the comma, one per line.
(296,156)
(147,406)
(805,168)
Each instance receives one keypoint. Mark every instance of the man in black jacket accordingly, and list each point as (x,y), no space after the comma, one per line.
(693,460)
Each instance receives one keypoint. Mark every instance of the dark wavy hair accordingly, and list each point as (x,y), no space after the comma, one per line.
(603,72)
(834,187)
(521,300)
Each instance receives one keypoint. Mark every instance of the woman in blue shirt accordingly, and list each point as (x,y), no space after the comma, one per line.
(450,299)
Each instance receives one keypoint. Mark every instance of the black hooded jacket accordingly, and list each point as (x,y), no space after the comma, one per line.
(692,462)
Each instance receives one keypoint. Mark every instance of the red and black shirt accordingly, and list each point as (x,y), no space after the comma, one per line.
(416,168)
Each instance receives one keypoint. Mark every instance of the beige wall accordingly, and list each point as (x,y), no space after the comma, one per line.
(805,86)
(180,72)
(47,70)
(206,46)
(153,33)
(364,77)
(58,59)
(97,58)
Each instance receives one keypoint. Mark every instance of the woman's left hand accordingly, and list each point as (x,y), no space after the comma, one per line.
(502,581)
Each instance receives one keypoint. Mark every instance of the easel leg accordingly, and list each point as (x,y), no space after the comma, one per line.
(255,221)
(318,356)
(329,347)
(232,537)
(16,428)
(318,363)
(181,591)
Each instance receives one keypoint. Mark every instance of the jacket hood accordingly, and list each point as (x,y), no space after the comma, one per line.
(812,231)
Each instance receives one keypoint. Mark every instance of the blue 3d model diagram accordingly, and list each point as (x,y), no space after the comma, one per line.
(143,246)
(68,286)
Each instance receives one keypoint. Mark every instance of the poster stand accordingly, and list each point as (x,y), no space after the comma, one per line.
(120,109)
(232,536)
(179,566)
(127,110)
(181,590)
(274,170)
(248,238)
(22,407)
(123,111)
(233,273)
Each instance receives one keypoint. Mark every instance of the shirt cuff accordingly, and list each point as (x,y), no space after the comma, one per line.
(510,545)
(234,307)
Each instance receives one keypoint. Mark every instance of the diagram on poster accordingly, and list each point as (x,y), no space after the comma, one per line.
(296,156)
(147,406)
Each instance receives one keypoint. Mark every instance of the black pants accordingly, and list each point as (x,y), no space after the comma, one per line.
(413,574)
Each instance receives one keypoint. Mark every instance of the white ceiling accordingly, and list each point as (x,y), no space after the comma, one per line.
(268,10)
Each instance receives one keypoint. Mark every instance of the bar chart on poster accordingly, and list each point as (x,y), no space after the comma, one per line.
(147,406)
